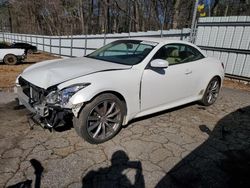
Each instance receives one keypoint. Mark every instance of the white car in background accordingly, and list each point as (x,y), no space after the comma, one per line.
(11,56)
(121,81)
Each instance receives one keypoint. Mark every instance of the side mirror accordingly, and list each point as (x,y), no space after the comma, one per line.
(159,63)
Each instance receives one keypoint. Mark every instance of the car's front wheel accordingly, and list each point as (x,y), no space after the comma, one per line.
(10,59)
(101,119)
(212,92)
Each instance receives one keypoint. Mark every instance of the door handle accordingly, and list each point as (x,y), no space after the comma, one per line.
(188,71)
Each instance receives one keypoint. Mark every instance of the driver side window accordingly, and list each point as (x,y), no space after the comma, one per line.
(178,53)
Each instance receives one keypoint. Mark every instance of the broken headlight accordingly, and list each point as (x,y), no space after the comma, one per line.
(53,97)
(62,97)
(68,92)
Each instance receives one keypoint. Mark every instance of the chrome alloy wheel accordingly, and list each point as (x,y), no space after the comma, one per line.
(104,119)
(213,91)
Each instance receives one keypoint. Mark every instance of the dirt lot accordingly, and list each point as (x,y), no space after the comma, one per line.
(8,73)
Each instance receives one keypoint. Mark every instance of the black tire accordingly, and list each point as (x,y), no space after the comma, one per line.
(101,119)
(212,92)
(10,59)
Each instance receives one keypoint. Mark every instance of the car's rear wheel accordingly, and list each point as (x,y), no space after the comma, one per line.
(101,119)
(10,59)
(212,92)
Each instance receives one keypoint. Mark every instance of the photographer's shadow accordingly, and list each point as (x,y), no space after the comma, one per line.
(115,175)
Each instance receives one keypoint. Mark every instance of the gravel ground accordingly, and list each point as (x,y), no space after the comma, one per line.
(190,146)
(6,97)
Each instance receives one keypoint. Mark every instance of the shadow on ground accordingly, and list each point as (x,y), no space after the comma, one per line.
(221,161)
(117,174)
(25,62)
(38,170)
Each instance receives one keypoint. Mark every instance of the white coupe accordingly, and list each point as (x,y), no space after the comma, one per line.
(121,81)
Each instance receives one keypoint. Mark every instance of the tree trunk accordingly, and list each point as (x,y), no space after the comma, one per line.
(10,20)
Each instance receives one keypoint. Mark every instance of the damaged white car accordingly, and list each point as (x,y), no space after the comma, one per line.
(121,81)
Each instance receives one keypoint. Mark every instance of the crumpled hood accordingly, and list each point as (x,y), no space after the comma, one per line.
(49,73)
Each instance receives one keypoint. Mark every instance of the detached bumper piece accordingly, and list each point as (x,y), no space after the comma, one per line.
(53,120)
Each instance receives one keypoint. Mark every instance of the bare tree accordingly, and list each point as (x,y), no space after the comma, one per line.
(67,17)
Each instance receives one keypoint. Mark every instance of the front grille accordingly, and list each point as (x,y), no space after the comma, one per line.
(33,92)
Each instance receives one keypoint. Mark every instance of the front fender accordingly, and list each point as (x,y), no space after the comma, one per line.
(124,82)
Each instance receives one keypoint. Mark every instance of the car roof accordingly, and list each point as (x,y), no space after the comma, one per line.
(160,40)
(163,41)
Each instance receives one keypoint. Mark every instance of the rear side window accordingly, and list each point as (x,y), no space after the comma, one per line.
(192,54)
(178,53)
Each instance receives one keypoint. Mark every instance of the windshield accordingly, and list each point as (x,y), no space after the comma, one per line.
(126,52)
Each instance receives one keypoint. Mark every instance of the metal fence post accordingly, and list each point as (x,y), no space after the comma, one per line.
(60,46)
(50,45)
(194,20)
(104,39)
(162,20)
(43,44)
(71,46)
(85,45)
(36,41)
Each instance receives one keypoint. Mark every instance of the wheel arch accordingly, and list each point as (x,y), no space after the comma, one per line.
(216,76)
(220,79)
(117,94)
(9,54)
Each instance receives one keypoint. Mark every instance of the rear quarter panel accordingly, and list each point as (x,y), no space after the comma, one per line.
(210,68)
(16,52)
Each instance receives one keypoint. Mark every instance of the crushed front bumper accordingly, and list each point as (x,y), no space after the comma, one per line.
(23,99)
(46,116)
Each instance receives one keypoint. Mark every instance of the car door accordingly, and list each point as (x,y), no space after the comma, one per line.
(173,85)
